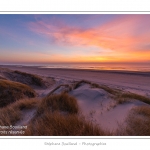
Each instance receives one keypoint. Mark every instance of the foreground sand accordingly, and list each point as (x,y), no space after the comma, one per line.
(98,105)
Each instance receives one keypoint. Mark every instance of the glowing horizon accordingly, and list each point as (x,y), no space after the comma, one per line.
(74,38)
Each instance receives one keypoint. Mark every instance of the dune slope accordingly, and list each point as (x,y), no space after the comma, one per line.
(12,91)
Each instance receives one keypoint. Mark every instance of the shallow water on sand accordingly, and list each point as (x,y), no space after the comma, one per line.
(144,67)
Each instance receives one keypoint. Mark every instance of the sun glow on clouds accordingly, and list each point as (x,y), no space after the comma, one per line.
(120,38)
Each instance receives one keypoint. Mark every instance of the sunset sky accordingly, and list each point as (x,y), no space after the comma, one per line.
(74,38)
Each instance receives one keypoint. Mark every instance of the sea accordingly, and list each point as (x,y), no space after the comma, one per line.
(142,67)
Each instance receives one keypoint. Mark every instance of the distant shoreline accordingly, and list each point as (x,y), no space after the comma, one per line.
(128,72)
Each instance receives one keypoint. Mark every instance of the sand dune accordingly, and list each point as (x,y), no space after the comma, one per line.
(108,100)
(32,80)
(12,91)
(101,107)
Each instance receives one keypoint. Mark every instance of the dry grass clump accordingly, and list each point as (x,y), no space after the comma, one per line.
(94,85)
(121,98)
(109,90)
(135,127)
(56,124)
(143,110)
(61,102)
(138,122)
(29,79)
(136,96)
(9,115)
(67,88)
(2,78)
(12,91)
(79,83)
(26,103)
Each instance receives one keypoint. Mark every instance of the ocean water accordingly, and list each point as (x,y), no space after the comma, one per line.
(143,67)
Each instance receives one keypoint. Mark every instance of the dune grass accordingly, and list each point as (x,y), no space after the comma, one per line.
(57,115)
(143,110)
(50,119)
(136,96)
(61,102)
(79,83)
(2,78)
(124,97)
(56,124)
(12,91)
(106,88)
(10,114)
(95,85)
(67,86)
(138,122)
(31,79)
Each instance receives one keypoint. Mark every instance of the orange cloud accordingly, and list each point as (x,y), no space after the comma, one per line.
(125,36)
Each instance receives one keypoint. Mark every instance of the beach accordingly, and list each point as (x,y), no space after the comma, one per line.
(105,97)
(136,81)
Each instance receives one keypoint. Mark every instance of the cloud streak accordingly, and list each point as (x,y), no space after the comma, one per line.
(121,34)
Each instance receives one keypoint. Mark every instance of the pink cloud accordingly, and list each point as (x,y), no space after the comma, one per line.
(121,35)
